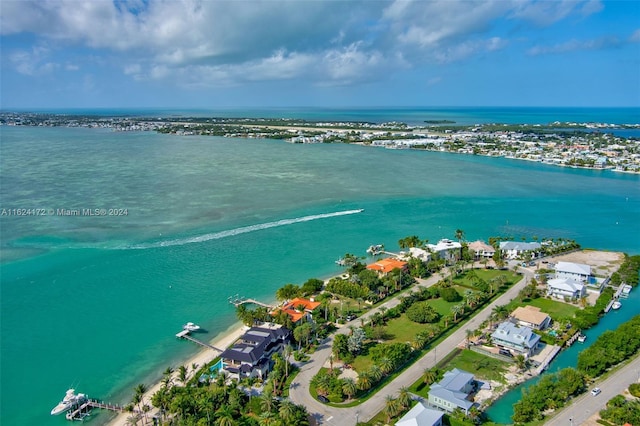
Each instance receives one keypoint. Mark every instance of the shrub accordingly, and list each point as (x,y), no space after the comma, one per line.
(422,313)
(450,294)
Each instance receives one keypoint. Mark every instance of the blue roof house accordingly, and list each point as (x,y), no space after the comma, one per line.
(515,338)
(453,391)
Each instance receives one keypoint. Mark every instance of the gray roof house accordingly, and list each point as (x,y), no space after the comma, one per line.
(573,271)
(421,415)
(513,249)
(515,338)
(250,356)
(564,287)
(452,391)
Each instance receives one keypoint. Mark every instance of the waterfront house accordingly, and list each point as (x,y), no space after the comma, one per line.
(421,415)
(515,250)
(299,309)
(577,272)
(481,250)
(384,266)
(446,249)
(453,391)
(250,356)
(562,288)
(532,317)
(515,339)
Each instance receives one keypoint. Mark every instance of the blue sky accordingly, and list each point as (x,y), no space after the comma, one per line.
(245,53)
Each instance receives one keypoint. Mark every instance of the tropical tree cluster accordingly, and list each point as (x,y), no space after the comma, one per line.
(366,284)
(611,348)
(250,317)
(620,411)
(628,272)
(550,393)
(590,315)
(224,403)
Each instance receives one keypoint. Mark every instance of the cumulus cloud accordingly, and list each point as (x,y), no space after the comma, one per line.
(213,43)
(34,62)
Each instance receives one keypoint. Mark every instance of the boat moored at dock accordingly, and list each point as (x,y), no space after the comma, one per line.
(70,400)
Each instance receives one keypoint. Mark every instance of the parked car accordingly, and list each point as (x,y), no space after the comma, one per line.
(595,391)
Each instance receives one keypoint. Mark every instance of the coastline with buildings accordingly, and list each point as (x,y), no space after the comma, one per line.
(598,146)
(519,335)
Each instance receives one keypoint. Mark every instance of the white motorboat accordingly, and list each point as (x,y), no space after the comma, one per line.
(70,400)
(191,326)
(582,338)
(616,305)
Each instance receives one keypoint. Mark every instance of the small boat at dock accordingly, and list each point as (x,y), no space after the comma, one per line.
(616,305)
(582,338)
(191,327)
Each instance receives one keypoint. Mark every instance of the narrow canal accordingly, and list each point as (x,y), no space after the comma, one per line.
(502,410)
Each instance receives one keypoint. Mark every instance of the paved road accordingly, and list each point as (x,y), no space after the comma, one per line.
(334,416)
(587,405)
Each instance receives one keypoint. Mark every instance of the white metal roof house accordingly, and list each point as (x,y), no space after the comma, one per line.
(421,415)
(445,249)
(574,271)
(563,287)
(452,391)
(515,338)
(513,249)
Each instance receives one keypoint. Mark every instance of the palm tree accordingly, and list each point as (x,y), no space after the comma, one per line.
(391,407)
(224,416)
(287,411)
(521,362)
(404,398)
(386,365)
(429,376)
(286,352)
(457,310)
(364,381)
(266,401)
(375,373)
(459,235)
(349,387)
(182,374)
(469,335)
(501,312)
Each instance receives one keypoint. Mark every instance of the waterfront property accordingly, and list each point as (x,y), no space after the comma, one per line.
(250,356)
(515,339)
(446,249)
(532,317)
(300,309)
(515,250)
(453,391)
(563,288)
(384,266)
(481,250)
(421,415)
(576,272)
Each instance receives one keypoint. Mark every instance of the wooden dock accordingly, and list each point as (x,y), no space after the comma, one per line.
(184,334)
(82,411)
(237,301)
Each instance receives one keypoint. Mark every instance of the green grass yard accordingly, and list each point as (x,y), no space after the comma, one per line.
(557,310)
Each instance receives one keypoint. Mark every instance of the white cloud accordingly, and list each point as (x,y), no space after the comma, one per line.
(549,12)
(34,62)
(635,37)
(574,45)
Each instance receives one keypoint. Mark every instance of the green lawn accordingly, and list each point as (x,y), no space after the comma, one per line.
(482,366)
(556,309)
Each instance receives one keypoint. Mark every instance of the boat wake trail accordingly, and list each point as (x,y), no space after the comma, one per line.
(242,230)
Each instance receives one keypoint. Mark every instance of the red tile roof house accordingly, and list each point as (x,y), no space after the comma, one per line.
(384,266)
(299,308)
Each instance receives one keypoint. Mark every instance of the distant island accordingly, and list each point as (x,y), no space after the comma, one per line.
(599,146)
(439,122)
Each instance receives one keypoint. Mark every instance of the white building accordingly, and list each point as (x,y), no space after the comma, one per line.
(514,250)
(563,287)
(577,272)
(446,249)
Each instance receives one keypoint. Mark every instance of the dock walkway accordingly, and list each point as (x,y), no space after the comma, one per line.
(184,334)
(82,411)
(237,301)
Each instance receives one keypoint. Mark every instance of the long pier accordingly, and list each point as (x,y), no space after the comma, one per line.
(237,301)
(184,334)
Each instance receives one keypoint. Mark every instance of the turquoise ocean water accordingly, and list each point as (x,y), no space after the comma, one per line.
(94,302)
